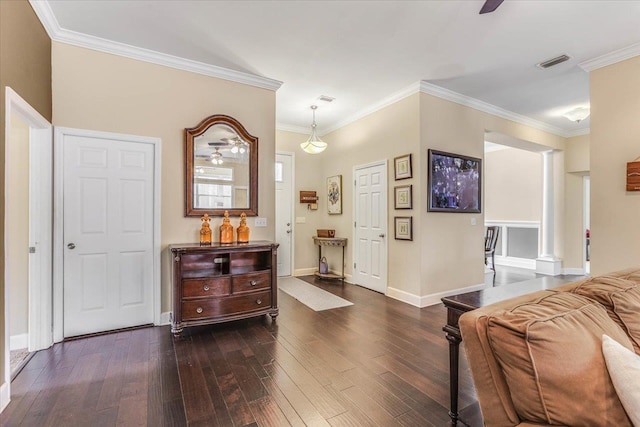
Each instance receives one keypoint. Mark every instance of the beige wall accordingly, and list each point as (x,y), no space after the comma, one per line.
(383,135)
(309,177)
(25,66)
(576,167)
(615,140)
(98,91)
(450,257)
(512,185)
(17,215)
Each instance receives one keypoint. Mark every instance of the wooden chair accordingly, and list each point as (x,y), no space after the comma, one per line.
(490,241)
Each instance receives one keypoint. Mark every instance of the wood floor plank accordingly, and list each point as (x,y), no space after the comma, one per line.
(268,413)
(197,403)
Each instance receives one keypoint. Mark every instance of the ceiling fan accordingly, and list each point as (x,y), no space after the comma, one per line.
(490,5)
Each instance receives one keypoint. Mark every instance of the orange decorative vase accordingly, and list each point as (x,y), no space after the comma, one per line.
(243,230)
(226,229)
(205,231)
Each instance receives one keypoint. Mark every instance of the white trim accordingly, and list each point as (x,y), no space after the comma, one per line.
(384,102)
(58,219)
(62,35)
(516,224)
(293,205)
(611,58)
(440,92)
(509,261)
(304,271)
(573,271)
(431,299)
(39,298)
(293,128)
(165,319)
(18,342)
(4,396)
(385,220)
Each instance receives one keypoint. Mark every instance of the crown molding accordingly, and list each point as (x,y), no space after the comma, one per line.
(44,12)
(578,132)
(440,92)
(293,128)
(611,58)
(385,102)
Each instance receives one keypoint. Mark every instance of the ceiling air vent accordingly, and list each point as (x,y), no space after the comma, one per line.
(553,61)
(325,98)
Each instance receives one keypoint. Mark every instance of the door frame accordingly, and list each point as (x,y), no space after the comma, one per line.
(58,218)
(293,205)
(40,327)
(354,274)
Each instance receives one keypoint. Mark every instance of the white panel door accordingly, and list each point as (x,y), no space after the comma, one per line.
(284,212)
(108,234)
(370,221)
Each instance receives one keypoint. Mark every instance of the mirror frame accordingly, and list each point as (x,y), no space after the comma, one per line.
(189,135)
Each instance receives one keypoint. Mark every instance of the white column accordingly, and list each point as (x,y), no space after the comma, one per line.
(548,263)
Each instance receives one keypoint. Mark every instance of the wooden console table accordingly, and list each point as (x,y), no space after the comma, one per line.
(457,305)
(329,241)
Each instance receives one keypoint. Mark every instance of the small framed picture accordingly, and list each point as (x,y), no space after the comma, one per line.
(402,197)
(334,195)
(402,167)
(404,227)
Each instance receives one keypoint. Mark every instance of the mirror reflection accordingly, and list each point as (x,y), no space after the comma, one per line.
(221,168)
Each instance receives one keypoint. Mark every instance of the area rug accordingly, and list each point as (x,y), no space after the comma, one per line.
(311,296)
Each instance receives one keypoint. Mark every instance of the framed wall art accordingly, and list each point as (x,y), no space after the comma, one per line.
(455,183)
(402,167)
(403,227)
(402,197)
(334,195)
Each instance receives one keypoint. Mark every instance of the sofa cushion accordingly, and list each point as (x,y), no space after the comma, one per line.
(550,353)
(624,369)
(621,298)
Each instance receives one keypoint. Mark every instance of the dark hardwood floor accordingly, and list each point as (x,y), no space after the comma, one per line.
(378,362)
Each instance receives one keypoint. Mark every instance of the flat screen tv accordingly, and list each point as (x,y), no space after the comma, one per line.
(455,183)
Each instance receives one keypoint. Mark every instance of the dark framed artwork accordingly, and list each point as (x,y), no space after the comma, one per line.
(402,197)
(402,167)
(403,227)
(455,183)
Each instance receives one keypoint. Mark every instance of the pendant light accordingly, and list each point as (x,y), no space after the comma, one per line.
(216,157)
(313,145)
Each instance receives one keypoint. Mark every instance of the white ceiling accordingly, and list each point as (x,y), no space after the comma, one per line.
(361,52)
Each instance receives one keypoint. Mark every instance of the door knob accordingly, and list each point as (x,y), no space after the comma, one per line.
(71,246)
(381,235)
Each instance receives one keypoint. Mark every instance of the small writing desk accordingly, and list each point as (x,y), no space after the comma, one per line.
(329,241)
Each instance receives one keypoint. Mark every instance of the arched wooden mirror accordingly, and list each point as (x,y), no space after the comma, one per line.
(221,172)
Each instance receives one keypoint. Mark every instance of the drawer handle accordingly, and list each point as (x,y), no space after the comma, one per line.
(199,310)
(206,287)
(258,301)
(253,283)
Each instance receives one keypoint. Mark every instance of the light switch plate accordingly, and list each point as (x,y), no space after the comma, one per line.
(474,221)
(301,219)
(261,222)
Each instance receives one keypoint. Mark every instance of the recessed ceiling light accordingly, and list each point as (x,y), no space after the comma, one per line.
(553,61)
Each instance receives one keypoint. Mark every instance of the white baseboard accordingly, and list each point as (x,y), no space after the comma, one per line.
(431,299)
(573,271)
(17,342)
(304,271)
(4,396)
(165,318)
(529,264)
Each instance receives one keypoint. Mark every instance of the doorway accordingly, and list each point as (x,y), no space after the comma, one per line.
(284,211)
(28,252)
(106,231)
(370,226)
(586,204)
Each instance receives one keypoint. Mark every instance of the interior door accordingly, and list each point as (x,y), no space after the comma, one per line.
(370,222)
(284,212)
(108,233)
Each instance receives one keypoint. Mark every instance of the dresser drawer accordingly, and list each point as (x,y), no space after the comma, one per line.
(251,282)
(206,287)
(218,307)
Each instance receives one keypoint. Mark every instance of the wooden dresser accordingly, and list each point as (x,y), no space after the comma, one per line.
(223,282)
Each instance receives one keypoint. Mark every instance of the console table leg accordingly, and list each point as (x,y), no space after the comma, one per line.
(454,351)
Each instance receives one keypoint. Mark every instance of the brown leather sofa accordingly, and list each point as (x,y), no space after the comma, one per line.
(537,359)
